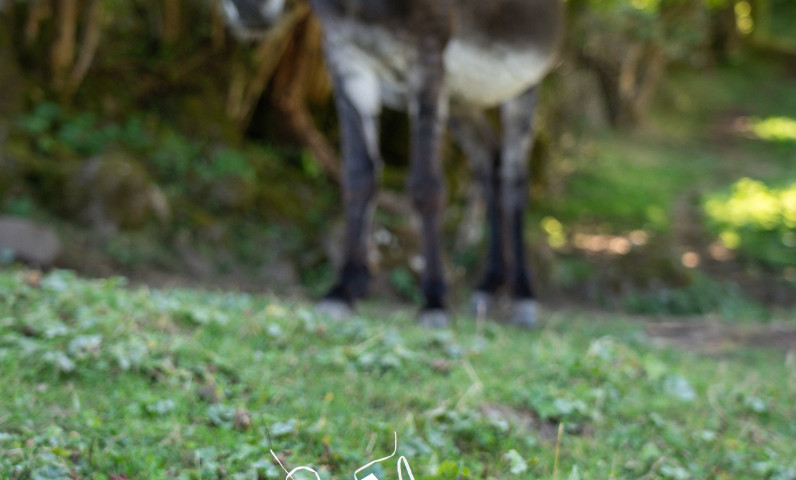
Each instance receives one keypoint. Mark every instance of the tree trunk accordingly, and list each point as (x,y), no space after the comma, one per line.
(88,47)
(627,86)
(217,28)
(723,33)
(63,52)
(300,76)
(12,81)
(171,22)
(37,13)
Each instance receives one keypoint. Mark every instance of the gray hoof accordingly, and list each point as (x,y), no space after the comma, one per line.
(481,303)
(524,313)
(334,309)
(433,319)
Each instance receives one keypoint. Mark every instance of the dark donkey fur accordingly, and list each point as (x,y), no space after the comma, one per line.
(445,61)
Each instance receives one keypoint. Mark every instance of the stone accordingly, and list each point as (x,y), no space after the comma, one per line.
(29,241)
(112,192)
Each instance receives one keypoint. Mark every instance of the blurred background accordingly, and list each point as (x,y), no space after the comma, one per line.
(139,138)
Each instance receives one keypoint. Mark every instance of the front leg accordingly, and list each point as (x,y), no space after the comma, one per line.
(517,119)
(358,106)
(427,114)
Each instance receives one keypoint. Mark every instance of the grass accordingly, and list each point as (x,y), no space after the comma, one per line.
(622,165)
(103,381)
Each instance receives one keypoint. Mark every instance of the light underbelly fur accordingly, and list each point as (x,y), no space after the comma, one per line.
(475,74)
(487,76)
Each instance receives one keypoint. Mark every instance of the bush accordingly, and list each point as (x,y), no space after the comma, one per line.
(757,220)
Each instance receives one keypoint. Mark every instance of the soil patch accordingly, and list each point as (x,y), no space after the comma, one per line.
(718,338)
(524,420)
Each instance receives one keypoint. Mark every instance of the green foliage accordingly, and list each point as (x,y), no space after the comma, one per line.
(134,249)
(226,162)
(624,184)
(702,296)
(653,179)
(107,380)
(197,175)
(21,207)
(51,130)
(405,283)
(676,27)
(757,219)
(174,156)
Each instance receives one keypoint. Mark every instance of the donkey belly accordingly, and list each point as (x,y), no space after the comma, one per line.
(496,50)
(487,75)
(477,75)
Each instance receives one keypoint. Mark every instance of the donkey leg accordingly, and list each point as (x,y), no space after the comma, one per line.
(427,113)
(517,120)
(358,107)
(477,138)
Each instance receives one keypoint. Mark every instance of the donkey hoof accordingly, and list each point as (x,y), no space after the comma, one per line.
(524,313)
(336,310)
(481,303)
(436,318)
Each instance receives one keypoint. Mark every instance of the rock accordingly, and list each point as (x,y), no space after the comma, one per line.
(29,241)
(114,191)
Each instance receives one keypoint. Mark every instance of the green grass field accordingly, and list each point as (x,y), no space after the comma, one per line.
(102,380)
(99,380)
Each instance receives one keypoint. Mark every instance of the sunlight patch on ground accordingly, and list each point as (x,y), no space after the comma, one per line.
(778,129)
(719,252)
(754,204)
(613,244)
(558,238)
(691,259)
(757,220)
(772,129)
(616,245)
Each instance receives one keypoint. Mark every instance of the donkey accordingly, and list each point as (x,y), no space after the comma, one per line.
(445,62)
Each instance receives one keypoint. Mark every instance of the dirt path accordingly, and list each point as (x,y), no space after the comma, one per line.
(715,338)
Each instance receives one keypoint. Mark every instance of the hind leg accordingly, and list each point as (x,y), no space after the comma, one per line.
(517,120)
(477,138)
(358,107)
